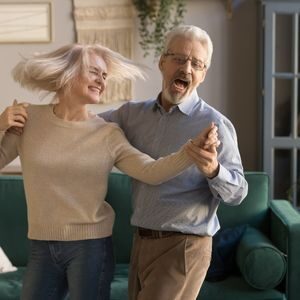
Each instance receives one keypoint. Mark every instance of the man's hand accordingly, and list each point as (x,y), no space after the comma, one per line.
(203,151)
(14,116)
(207,137)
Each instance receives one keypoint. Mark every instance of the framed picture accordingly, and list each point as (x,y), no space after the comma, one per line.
(25,22)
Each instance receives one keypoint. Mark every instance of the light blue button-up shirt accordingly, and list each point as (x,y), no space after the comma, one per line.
(188,203)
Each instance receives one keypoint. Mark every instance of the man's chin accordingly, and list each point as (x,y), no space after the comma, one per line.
(178,99)
(175,99)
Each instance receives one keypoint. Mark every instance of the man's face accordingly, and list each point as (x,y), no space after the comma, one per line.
(182,70)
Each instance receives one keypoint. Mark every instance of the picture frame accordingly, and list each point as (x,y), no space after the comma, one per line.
(25,22)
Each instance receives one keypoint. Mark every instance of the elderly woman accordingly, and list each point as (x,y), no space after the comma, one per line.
(66,154)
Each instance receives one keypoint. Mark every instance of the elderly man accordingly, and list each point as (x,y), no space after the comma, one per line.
(175,221)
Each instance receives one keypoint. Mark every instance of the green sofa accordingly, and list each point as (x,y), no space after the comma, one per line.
(276,220)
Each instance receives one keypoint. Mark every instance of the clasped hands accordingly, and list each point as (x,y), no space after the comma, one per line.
(203,151)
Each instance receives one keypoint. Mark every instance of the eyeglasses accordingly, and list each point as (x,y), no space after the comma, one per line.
(181,59)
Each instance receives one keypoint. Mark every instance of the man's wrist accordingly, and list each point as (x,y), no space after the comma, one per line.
(214,173)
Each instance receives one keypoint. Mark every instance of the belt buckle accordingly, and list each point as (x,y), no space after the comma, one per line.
(154,234)
(157,234)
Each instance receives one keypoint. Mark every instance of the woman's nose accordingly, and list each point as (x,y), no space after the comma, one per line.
(100,81)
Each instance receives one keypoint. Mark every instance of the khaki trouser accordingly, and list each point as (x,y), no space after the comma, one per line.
(168,268)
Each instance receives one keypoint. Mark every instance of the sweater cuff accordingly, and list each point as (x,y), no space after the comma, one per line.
(186,160)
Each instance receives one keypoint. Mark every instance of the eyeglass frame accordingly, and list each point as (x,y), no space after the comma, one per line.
(184,58)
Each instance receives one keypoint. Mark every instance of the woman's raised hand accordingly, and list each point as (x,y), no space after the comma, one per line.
(13,116)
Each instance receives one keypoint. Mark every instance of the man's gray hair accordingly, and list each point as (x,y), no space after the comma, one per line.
(192,32)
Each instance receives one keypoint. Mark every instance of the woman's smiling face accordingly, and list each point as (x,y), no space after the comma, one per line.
(89,87)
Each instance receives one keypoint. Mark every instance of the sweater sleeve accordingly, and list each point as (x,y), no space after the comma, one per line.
(140,165)
(8,148)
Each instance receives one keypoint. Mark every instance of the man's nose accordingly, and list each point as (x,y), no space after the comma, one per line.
(187,67)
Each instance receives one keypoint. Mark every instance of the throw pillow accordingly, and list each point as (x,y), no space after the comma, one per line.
(5,264)
(262,265)
(224,247)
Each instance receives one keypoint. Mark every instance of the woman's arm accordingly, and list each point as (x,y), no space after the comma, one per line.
(144,168)
(14,115)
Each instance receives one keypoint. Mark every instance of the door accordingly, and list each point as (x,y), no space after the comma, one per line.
(281,107)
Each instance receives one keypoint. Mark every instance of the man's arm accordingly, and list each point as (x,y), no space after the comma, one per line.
(115,115)
(206,159)
(204,152)
(223,167)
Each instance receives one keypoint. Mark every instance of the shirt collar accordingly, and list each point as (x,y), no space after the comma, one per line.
(186,107)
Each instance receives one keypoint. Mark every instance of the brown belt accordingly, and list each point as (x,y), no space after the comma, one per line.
(155,234)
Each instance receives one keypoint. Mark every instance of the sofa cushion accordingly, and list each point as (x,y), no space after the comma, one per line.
(119,286)
(13,219)
(235,288)
(224,247)
(262,265)
(119,197)
(11,284)
(254,208)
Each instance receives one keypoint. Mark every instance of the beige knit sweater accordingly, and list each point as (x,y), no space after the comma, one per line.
(65,169)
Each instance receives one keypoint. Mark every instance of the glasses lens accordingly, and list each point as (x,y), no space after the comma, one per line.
(181,59)
(198,64)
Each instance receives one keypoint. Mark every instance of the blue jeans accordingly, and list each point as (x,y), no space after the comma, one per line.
(82,268)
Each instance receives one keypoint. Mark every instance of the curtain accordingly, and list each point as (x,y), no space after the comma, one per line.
(109,23)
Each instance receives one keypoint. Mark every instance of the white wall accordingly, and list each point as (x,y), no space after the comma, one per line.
(63,33)
(231,82)
(211,16)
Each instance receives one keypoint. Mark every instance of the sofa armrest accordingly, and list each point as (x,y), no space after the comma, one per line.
(285,234)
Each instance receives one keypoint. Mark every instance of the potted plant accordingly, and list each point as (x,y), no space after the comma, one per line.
(156,18)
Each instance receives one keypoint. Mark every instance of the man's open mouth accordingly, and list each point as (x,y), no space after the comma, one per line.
(181,84)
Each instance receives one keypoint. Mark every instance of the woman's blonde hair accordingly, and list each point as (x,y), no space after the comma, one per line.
(57,70)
